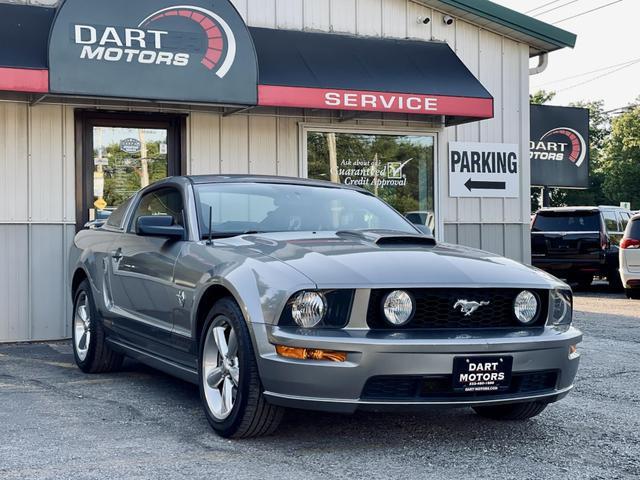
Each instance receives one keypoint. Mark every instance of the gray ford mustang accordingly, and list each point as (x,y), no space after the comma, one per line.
(275,292)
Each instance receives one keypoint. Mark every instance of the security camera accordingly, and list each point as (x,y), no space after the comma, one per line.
(447,19)
(424,20)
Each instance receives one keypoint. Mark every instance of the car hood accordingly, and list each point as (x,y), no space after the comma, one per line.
(332,260)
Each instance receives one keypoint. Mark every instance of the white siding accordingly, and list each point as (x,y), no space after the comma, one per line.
(37,213)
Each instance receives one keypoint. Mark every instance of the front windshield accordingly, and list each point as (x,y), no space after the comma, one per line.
(239,208)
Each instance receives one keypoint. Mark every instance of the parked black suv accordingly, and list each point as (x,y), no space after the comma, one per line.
(578,243)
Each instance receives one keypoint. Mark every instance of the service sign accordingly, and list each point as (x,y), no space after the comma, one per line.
(198,51)
(559,146)
(484,170)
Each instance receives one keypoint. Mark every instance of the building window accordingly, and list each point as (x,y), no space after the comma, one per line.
(397,168)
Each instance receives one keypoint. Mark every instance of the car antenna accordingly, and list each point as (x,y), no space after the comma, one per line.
(210,242)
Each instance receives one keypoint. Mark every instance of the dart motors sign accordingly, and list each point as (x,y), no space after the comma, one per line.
(196,51)
(484,170)
(559,146)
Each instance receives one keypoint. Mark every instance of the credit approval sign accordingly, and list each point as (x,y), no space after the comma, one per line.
(484,170)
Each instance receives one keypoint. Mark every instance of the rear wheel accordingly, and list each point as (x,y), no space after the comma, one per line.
(230,387)
(90,350)
(615,283)
(513,411)
(584,281)
(633,293)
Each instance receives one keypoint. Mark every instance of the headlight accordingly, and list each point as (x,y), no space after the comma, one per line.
(308,308)
(561,307)
(398,307)
(525,307)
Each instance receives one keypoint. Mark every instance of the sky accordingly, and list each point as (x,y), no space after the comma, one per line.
(607,38)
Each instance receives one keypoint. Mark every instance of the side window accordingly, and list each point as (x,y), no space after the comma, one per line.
(623,217)
(166,201)
(610,221)
(116,218)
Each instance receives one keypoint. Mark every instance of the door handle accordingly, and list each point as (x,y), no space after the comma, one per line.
(117,254)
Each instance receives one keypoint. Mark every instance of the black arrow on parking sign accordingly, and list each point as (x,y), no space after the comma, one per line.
(478,185)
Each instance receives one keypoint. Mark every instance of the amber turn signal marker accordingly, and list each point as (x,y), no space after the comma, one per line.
(310,354)
(573,352)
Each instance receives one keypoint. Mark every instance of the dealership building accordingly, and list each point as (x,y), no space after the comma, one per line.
(423,102)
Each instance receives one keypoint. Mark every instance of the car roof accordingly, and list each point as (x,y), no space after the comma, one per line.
(204,179)
(582,209)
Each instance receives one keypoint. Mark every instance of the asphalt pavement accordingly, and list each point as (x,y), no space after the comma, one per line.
(58,423)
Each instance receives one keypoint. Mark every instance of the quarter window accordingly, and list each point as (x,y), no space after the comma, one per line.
(116,218)
(166,201)
(611,221)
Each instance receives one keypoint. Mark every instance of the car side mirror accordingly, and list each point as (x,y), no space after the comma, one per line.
(424,230)
(159,226)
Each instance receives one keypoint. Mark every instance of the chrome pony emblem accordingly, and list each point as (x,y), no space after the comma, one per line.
(468,307)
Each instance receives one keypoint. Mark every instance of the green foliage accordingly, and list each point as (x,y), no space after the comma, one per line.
(620,164)
(541,97)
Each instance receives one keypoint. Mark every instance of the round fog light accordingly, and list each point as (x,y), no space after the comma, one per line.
(525,307)
(308,308)
(398,307)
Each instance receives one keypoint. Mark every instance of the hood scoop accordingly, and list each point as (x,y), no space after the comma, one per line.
(389,238)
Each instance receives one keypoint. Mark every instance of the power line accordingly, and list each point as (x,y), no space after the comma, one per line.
(589,72)
(588,11)
(555,8)
(542,6)
(599,76)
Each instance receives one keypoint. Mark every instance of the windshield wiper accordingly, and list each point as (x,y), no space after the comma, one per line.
(218,235)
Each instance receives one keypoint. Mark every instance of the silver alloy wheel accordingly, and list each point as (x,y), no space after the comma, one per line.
(220,367)
(81,326)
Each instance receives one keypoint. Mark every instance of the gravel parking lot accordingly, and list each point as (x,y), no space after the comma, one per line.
(57,422)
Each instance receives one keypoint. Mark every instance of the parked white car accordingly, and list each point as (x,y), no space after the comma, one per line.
(630,258)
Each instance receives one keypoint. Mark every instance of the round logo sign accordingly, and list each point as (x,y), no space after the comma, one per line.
(130,145)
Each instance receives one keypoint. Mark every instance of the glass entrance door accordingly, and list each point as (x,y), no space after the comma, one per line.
(122,154)
(124,161)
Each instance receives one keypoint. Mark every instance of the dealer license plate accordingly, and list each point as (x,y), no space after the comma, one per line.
(482,374)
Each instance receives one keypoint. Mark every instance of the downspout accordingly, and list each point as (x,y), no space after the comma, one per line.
(543,63)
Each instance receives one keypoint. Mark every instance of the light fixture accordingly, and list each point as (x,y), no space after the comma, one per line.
(310,353)
(398,308)
(308,309)
(525,307)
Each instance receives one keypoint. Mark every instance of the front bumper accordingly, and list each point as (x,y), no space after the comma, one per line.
(339,386)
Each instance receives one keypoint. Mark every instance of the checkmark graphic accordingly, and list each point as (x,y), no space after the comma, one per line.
(395,168)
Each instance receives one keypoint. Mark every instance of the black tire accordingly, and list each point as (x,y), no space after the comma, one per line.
(512,411)
(251,415)
(633,293)
(615,282)
(99,357)
(584,281)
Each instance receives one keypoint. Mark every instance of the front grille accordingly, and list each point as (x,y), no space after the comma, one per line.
(434,387)
(435,308)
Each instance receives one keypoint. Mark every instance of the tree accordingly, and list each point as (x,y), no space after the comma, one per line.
(541,97)
(620,164)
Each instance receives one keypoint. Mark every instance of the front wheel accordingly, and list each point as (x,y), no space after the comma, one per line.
(230,386)
(513,411)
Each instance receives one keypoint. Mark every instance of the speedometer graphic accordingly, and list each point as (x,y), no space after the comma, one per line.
(221,44)
(571,137)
